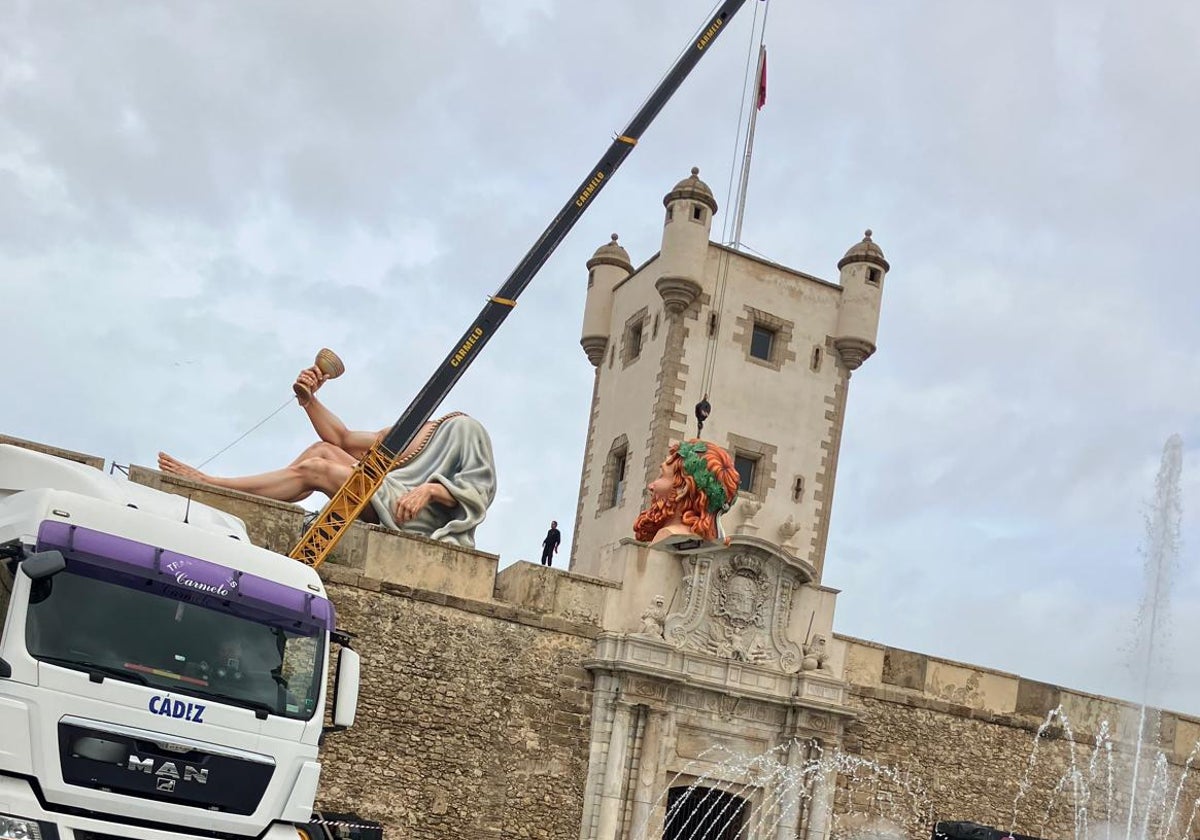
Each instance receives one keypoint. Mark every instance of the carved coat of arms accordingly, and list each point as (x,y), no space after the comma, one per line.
(737,606)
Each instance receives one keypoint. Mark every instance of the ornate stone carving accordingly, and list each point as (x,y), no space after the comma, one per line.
(653,618)
(737,605)
(726,705)
(816,657)
(741,589)
(816,720)
(853,351)
(594,346)
(788,529)
(677,293)
(648,688)
(748,508)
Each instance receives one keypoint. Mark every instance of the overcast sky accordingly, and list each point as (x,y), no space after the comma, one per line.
(195,197)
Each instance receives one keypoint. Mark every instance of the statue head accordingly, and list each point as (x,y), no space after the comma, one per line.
(696,484)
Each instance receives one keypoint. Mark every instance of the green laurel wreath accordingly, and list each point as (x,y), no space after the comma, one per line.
(698,469)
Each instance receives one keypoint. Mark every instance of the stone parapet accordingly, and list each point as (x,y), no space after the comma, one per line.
(549,591)
(928,683)
(333,573)
(69,454)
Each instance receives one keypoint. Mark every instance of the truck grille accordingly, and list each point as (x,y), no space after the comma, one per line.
(137,763)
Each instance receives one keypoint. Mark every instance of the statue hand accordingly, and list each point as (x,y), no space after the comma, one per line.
(413,502)
(311,378)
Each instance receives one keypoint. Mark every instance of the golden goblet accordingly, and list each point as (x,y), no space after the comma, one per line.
(329,364)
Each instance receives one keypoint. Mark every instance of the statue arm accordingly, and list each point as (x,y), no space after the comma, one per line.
(331,429)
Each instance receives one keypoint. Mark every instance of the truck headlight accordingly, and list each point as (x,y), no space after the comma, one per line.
(15,828)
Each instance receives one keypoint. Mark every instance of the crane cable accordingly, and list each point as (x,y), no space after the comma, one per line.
(246,433)
(750,75)
(699,30)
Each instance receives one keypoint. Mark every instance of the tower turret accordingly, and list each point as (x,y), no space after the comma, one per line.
(690,209)
(607,267)
(863,270)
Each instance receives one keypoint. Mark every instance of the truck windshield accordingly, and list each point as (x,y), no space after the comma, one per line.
(150,630)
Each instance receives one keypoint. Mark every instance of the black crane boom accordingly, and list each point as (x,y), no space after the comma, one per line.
(345,506)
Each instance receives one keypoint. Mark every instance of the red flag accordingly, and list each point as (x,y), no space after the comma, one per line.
(762,80)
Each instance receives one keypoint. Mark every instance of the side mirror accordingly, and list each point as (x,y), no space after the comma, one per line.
(345,691)
(43,565)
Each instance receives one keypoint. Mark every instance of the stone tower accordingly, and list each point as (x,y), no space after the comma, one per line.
(773,349)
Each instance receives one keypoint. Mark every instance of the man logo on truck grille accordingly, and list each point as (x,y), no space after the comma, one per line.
(167,773)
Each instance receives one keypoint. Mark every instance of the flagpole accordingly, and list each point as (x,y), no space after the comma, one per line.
(744,180)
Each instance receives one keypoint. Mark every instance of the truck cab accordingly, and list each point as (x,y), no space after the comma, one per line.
(160,676)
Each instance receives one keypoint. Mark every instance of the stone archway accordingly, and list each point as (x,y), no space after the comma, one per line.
(703,812)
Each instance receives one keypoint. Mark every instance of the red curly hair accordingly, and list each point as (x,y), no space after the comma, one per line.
(690,502)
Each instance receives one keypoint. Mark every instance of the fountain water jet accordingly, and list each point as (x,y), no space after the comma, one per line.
(724,795)
(1161,554)
(1152,809)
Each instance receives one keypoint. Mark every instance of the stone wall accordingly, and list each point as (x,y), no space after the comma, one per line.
(966,743)
(69,454)
(473,718)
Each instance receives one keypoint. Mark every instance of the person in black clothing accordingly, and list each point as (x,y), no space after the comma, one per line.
(550,544)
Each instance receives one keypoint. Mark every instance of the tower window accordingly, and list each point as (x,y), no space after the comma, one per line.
(762,339)
(754,461)
(633,337)
(816,357)
(618,487)
(798,489)
(654,330)
(712,324)
(746,466)
(873,276)
(670,213)
(612,486)
(765,338)
(697,213)
(591,277)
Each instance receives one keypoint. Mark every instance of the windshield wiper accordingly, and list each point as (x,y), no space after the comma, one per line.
(96,672)
(261,709)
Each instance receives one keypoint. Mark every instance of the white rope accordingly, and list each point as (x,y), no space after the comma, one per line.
(244,434)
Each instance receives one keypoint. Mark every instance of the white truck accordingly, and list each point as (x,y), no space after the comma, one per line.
(160,676)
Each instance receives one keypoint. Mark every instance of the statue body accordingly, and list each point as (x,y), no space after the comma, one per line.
(442,486)
(458,457)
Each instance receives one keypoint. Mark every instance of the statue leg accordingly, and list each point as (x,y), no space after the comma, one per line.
(322,466)
(328,451)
